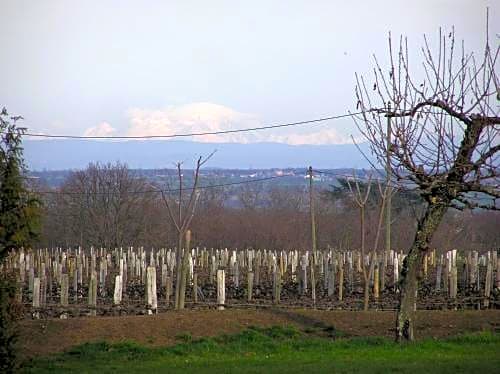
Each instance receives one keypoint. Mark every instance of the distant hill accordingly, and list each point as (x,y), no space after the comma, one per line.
(75,154)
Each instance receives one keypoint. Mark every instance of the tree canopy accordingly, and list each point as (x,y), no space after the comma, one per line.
(19,209)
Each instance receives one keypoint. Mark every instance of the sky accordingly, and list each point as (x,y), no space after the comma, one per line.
(163,67)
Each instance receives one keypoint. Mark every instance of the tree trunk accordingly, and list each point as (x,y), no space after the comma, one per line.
(366,302)
(366,298)
(184,270)
(411,267)
(184,278)
(178,270)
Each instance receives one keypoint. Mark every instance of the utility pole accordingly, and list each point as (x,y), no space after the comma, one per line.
(311,208)
(179,255)
(313,235)
(389,195)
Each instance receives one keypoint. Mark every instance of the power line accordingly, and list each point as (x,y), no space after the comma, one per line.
(220,132)
(170,190)
(267,127)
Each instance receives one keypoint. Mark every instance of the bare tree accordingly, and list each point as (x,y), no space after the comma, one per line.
(181,219)
(250,195)
(445,138)
(361,198)
(103,205)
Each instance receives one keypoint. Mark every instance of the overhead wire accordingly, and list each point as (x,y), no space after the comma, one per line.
(219,185)
(218,132)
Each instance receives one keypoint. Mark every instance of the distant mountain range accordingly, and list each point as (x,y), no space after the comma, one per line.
(76,154)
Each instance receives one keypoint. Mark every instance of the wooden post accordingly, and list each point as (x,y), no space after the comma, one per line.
(164,274)
(331,280)
(92,263)
(249,286)
(396,271)
(350,273)
(487,284)
(43,290)
(221,289)
(80,271)
(473,269)
(168,289)
(257,270)
(383,271)
(75,285)
(36,292)
(93,293)
(152,298)
(236,274)
(117,295)
(64,289)
(102,276)
(341,281)
(376,282)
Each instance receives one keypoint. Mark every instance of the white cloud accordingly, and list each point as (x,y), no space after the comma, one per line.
(208,117)
(102,129)
(196,117)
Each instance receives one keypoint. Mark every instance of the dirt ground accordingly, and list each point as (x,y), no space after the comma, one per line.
(41,337)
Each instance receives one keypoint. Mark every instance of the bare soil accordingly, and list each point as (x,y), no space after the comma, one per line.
(42,337)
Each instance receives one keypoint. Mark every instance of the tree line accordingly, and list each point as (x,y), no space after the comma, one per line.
(104,205)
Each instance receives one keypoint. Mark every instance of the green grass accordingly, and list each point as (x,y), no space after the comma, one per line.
(281,350)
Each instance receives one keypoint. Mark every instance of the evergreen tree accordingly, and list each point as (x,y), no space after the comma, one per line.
(19,221)
(19,210)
